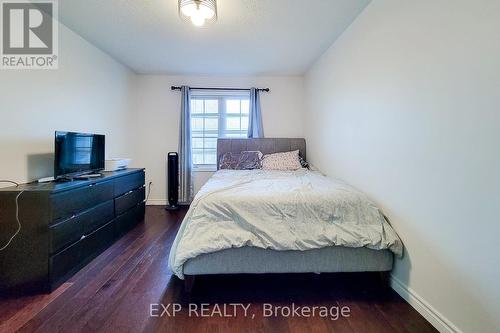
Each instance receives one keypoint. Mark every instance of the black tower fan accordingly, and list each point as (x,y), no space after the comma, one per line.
(173,181)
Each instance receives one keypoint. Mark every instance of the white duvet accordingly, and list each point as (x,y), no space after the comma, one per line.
(298,210)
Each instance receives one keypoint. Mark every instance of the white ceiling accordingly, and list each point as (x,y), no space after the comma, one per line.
(251,37)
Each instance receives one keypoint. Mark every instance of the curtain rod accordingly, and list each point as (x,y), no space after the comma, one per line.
(241,89)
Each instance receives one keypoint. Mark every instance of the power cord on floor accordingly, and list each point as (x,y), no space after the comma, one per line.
(17,214)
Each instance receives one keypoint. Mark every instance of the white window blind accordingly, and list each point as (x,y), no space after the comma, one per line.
(216,114)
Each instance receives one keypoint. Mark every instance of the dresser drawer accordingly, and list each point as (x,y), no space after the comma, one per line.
(99,216)
(130,219)
(129,200)
(69,231)
(127,183)
(71,202)
(65,263)
(96,242)
(70,260)
(66,232)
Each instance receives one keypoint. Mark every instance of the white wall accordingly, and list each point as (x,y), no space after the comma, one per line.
(89,92)
(406,106)
(157,109)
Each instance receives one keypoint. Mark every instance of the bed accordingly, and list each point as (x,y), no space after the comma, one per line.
(258,222)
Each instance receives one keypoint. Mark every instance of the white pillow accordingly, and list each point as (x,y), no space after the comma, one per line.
(282,161)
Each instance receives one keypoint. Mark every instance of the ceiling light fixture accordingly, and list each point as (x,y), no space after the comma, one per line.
(198,11)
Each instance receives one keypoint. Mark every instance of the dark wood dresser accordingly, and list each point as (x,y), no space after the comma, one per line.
(64,226)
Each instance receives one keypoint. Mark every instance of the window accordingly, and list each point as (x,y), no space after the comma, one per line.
(216,114)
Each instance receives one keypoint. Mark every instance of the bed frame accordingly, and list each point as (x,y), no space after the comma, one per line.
(252,260)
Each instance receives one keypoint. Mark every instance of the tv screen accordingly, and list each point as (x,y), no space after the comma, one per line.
(78,153)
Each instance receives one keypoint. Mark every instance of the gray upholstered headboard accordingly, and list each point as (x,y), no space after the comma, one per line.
(265,145)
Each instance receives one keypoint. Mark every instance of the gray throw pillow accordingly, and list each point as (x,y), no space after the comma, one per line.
(246,160)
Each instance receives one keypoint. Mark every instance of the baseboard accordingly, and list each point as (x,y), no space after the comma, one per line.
(156,202)
(440,322)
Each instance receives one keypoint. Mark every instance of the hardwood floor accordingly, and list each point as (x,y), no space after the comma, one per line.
(115,291)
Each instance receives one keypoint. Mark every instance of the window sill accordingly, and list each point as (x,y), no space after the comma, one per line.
(205,168)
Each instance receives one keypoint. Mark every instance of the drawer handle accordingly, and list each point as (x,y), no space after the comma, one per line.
(129,192)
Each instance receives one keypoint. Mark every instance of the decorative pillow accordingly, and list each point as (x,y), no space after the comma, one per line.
(303,162)
(282,161)
(246,160)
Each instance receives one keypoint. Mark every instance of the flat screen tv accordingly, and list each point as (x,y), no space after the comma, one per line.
(78,153)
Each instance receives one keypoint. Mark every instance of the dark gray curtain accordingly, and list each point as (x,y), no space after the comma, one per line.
(185,159)
(255,129)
